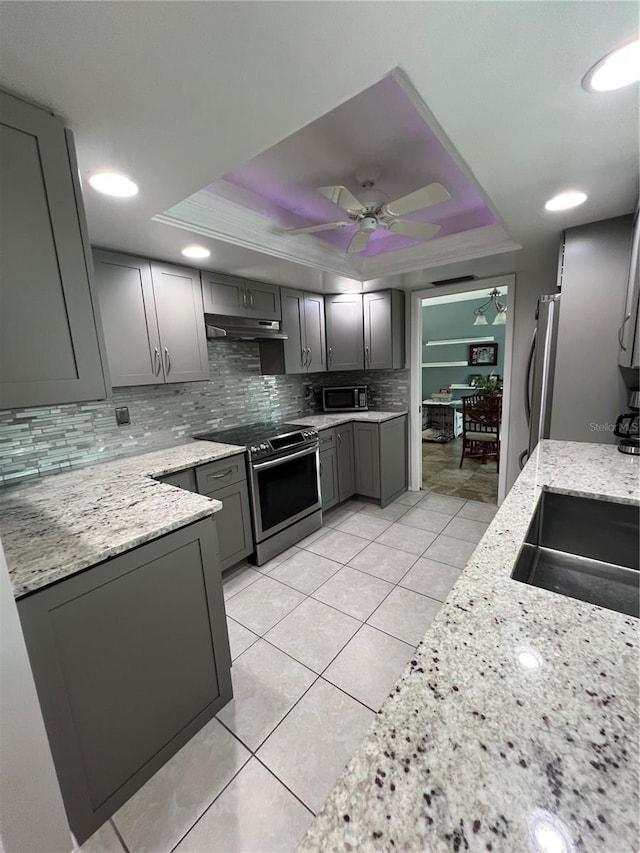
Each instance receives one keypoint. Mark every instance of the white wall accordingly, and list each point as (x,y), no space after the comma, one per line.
(32,816)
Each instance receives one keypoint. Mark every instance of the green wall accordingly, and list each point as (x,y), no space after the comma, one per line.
(455,320)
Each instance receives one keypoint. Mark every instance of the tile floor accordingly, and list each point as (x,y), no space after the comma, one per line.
(318,637)
(441,472)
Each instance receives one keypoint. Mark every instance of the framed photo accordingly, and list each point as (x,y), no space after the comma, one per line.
(483,355)
(473,378)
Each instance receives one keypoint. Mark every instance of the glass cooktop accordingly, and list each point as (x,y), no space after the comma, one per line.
(250,433)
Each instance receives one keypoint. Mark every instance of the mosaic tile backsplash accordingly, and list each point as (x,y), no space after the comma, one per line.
(50,439)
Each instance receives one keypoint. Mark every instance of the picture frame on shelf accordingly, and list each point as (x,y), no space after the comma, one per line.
(483,355)
(473,378)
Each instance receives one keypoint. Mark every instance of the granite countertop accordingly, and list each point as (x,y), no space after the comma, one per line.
(321,420)
(58,525)
(515,725)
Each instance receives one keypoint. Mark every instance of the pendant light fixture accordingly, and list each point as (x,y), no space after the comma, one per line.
(501,316)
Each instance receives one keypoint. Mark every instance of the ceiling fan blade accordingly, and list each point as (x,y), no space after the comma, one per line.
(359,242)
(311,229)
(424,197)
(342,197)
(417,230)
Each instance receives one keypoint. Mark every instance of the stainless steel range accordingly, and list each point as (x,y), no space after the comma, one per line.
(284,482)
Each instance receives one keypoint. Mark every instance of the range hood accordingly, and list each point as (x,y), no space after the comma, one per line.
(223,327)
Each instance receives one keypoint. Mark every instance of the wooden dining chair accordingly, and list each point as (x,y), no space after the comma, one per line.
(481,417)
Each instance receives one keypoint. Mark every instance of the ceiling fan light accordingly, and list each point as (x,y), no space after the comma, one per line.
(501,318)
(480,320)
(617,69)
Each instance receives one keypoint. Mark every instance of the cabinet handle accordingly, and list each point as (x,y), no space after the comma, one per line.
(367,359)
(330,355)
(157,361)
(310,359)
(220,476)
(303,357)
(339,440)
(244,299)
(621,333)
(251,299)
(167,361)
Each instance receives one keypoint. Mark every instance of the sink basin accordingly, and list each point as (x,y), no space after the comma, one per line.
(584,548)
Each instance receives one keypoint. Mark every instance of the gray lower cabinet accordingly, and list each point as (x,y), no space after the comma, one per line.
(130,659)
(182,480)
(345,461)
(345,330)
(239,297)
(328,478)
(381,459)
(153,320)
(49,335)
(304,351)
(384,325)
(226,481)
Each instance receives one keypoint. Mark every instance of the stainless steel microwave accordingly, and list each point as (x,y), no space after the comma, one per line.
(347,398)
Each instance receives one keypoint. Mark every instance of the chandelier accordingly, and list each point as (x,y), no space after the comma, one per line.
(501,310)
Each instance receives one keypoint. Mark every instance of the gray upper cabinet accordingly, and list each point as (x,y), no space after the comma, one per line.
(49,338)
(294,348)
(304,351)
(344,322)
(628,332)
(153,320)
(384,325)
(314,330)
(237,297)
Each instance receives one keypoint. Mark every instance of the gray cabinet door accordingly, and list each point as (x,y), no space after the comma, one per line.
(223,294)
(314,332)
(345,462)
(125,292)
(344,323)
(393,459)
(180,314)
(328,478)
(384,325)
(263,300)
(295,356)
(49,350)
(181,479)
(233,523)
(130,659)
(367,459)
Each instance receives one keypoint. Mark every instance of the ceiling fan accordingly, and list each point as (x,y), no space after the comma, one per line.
(373,212)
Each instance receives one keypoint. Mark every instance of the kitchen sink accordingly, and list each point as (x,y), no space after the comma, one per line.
(583,548)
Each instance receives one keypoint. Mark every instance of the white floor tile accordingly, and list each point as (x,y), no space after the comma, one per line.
(442,503)
(334,517)
(410,498)
(405,614)
(255,814)
(240,638)
(267,567)
(353,592)
(337,545)
(478,511)
(364,525)
(384,562)
(238,579)
(453,552)
(304,543)
(426,519)
(391,512)
(405,538)
(261,605)
(266,684)
(313,634)
(167,806)
(311,746)
(466,528)
(369,666)
(431,578)
(305,571)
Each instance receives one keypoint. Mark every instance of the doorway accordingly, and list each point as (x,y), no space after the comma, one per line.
(458,351)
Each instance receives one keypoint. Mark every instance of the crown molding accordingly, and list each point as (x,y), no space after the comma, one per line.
(212,216)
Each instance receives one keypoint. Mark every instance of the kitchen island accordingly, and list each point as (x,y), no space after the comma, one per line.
(515,725)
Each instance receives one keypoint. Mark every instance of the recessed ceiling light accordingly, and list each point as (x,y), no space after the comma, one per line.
(566,200)
(195,252)
(113,183)
(619,68)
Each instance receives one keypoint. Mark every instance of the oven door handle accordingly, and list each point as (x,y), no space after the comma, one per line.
(261,466)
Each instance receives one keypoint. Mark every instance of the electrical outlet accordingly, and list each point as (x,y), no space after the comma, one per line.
(122,416)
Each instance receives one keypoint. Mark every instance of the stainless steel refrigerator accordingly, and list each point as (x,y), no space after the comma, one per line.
(538,390)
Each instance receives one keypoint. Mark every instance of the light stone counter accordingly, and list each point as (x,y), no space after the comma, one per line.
(515,726)
(322,420)
(58,525)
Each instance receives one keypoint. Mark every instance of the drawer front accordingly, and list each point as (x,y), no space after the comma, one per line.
(222,472)
(181,479)
(327,439)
